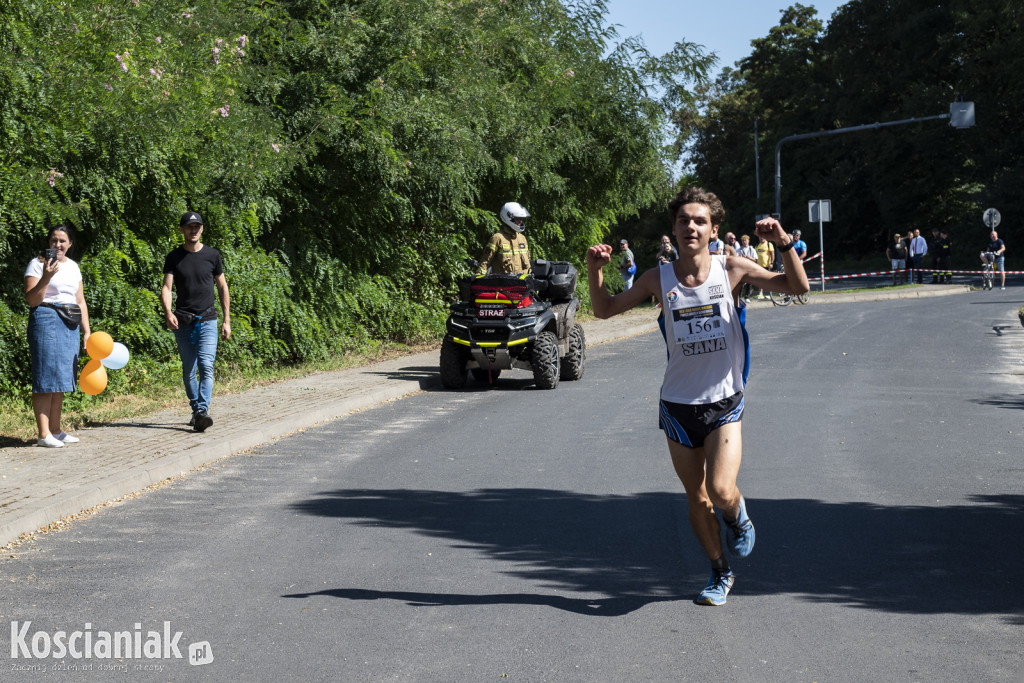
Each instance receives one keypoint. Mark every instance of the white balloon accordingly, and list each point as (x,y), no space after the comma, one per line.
(118,357)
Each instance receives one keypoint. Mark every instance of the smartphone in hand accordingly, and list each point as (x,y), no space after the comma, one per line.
(51,255)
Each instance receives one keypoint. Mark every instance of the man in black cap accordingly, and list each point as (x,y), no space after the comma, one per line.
(192,270)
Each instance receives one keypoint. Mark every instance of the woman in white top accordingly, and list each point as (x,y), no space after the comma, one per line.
(53,290)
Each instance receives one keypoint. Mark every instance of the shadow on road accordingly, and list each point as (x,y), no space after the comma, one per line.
(598,607)
(910,559)
(429,379)
(1009,402)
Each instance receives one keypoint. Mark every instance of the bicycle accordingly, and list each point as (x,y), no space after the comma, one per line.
(782,299)
(988,270)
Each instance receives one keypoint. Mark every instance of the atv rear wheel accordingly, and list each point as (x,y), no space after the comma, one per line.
(453,364)
(544,360)
(572,364)
(480,375)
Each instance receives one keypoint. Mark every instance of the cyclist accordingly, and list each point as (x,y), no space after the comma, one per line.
(997,248)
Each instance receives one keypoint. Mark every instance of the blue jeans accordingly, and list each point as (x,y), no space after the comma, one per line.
(197,347)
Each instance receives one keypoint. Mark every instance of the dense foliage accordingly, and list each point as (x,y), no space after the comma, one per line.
(878,61)
(347,156)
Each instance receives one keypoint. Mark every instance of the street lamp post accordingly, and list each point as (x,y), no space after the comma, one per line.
(961,115)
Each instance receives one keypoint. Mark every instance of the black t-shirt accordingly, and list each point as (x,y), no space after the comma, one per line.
(996,245)
(898,249)
(194,273)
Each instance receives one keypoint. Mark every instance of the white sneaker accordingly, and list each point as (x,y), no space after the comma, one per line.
(50,442)
(1002,288)
(67,438)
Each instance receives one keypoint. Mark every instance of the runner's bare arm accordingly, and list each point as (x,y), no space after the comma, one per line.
(793,281)
(605,305)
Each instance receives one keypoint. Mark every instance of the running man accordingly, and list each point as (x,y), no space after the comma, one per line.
(702,392)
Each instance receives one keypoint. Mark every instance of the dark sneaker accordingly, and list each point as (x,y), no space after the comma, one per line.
(717,589)
(202,421)
(192,420)
(739,534)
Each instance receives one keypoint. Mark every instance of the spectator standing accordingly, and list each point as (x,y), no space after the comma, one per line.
(907,239)
(193,270)
(748,252)
(765,257)
(667,253)
(57,310)
(896,252)
(627,266)
(943,258)
(918,249)
(730,244)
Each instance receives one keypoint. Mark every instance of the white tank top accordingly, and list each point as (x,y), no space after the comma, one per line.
(708,352)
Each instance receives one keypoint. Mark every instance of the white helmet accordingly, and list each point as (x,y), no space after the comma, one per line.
(511,211)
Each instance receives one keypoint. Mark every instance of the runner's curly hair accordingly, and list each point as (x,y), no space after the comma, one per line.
(698,195)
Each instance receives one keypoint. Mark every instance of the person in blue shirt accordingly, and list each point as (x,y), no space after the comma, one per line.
(799,246)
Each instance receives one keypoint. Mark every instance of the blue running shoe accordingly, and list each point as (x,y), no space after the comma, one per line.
(739,535)
(717,589)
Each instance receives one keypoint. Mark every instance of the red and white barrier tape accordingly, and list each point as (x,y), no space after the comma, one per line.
(921,270)
(811,258)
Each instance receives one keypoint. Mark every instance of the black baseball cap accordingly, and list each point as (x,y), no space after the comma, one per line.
(191,217)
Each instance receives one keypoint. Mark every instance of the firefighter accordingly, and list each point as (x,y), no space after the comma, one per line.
(506,252)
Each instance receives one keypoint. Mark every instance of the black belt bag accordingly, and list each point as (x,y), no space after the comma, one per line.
(185,318)
(71,314)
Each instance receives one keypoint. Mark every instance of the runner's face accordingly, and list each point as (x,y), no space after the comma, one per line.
(692,228)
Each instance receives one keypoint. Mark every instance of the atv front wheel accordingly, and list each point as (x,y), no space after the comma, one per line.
(480,375)
(572,363)
(453,364)
(544,360)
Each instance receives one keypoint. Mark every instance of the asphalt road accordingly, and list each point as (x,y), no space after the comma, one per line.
(534,535)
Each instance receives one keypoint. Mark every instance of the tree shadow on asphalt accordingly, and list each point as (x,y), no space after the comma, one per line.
(1008,402)
(961,559)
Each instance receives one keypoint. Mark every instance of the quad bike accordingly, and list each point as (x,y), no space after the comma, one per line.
(525,321)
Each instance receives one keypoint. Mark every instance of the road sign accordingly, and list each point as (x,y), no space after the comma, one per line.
(991,218)
(819,210)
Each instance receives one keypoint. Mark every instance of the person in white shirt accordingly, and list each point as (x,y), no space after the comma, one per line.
(918,249)
(748,252)
(702,393)
(56,299)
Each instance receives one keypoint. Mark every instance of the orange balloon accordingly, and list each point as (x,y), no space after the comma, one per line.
(100,345)
(93,379)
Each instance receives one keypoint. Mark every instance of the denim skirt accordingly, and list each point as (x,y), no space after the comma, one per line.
(54,349)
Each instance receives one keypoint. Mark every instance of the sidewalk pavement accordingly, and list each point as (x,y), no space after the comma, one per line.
(41,486)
